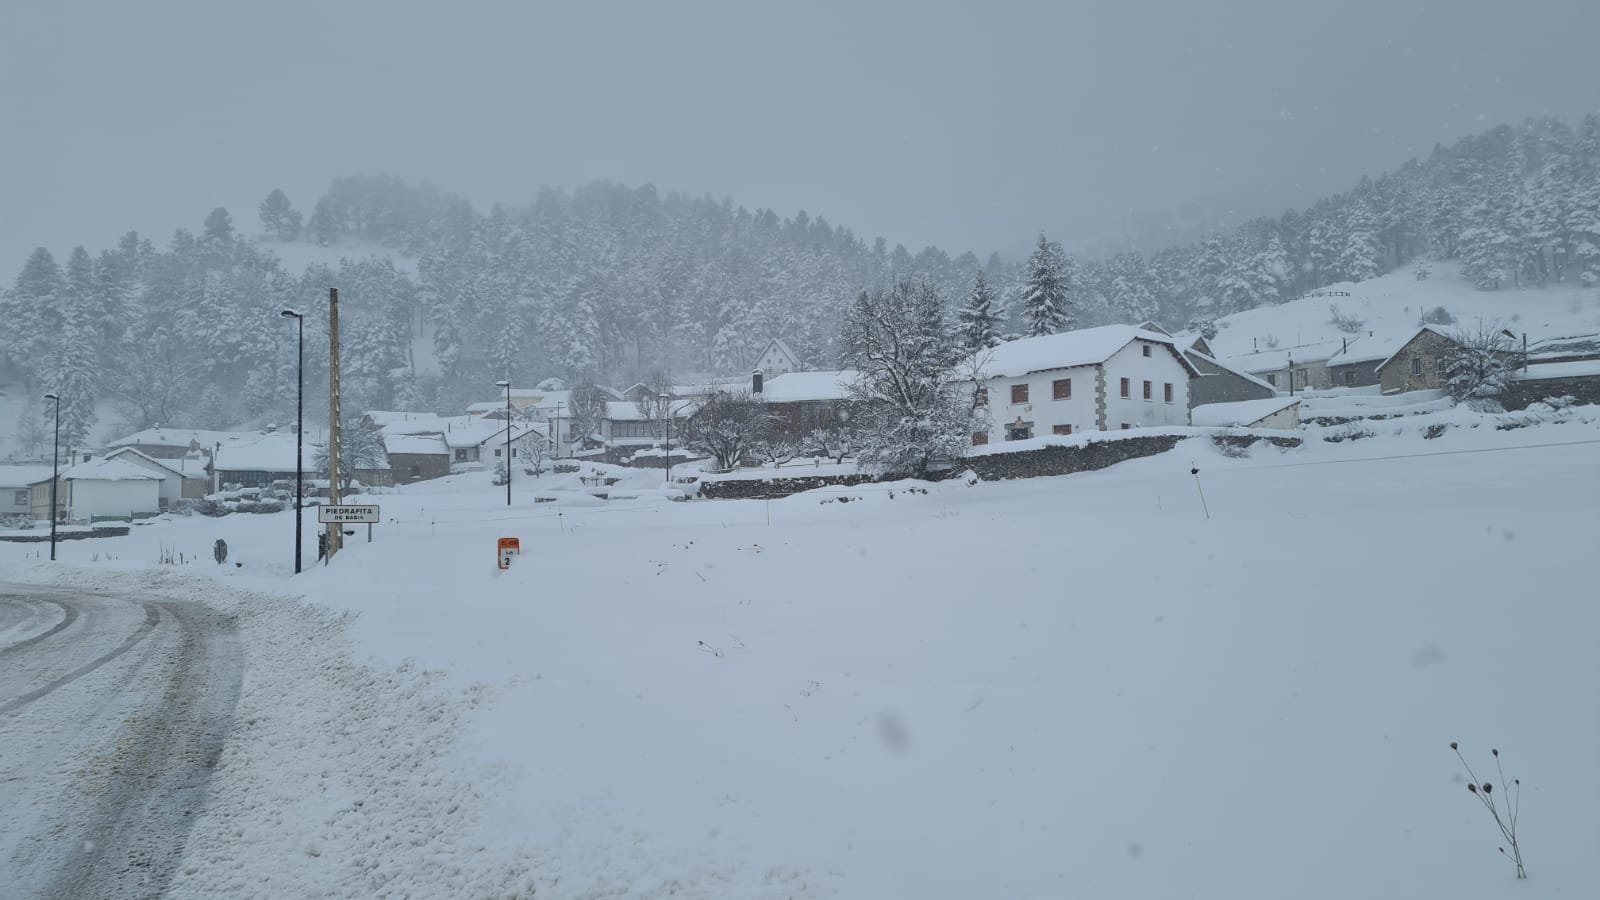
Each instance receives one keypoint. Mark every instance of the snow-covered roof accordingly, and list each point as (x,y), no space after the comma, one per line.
(1085,347)
(426,444)
(21,476)
(797,387)
(1414,335)
(1560,347)
(181,437)
(406,422)
(262,453)
(1230,369)
(108,469)
(467,431)
(1582,368)
(174,466)
(1240,412)
(783,348)
(628,411)
(1274,360)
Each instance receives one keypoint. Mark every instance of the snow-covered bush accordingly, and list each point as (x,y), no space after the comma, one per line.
(1438,316)
(1481,366)
(1345,322)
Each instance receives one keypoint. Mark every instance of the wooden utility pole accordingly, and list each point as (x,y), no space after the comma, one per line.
(335,495)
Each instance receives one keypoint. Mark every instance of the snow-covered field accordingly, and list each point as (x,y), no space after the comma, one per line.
(1072,686)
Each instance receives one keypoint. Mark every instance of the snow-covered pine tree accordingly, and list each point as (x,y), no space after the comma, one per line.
(32,312)
(979,322)
(1046,308)
(279,216)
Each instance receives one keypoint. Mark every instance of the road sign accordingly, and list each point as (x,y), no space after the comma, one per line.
(345,514)
(509,547)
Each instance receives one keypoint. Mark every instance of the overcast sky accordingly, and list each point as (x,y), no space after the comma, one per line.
(969,125)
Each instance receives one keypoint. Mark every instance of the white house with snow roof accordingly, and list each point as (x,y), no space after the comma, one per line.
(1094,379)
(182,478)
(778,358)
(111,487)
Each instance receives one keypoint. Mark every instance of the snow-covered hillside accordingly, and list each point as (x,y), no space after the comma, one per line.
(1390,309)
(1089,685)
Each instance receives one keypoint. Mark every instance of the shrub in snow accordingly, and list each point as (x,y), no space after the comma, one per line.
(1345,322)
(1438,316)
(1481,366)
(1484,791)
(1422,270)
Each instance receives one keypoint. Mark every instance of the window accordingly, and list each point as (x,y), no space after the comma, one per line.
(979,438)
(1125,388)
(983,396)
(1061,429)
(1145,348)
(1272,378)
(416,471)
(21,499)
(1416,365)
(1019,431)
(497,453)
(1166,392)
(1126,426)
(1061,389)
(1349,376)
(1019,393)
(1147,394)
(461,455)
(513,453)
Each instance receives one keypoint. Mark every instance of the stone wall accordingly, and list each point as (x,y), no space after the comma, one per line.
(759,488)
(44,535)
(1523,393)
(1242,441)
(1066,460)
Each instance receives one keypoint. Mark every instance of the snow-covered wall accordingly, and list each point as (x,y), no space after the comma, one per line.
(89,497)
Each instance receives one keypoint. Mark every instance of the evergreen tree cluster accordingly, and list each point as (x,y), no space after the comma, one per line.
(610,283)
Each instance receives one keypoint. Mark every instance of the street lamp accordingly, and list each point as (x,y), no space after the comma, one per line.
(299,429)
(507,386)
(55,477)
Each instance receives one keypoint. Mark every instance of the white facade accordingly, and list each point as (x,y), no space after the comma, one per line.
(1157,388)
(1144,383)
(171,479)
(15,488)
(88,497)
(777,359)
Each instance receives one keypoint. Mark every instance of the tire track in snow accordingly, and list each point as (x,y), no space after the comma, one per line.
(152,616)
(69,614)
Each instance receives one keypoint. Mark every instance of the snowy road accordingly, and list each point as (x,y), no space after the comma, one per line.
(113,711)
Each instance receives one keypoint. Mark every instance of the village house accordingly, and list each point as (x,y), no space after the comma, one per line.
(1095,379)
(1299,368)
(184,478)
(801,402)
(16,483)
(1419,362)
(1219,383)
(109,488)
(778,358)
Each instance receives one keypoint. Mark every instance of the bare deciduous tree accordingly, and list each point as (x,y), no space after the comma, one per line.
(726,424)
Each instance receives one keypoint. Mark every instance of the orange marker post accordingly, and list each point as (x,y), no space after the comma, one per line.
(509,547)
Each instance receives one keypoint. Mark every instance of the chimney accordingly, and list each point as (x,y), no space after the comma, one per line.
(755,382)
(1344,345)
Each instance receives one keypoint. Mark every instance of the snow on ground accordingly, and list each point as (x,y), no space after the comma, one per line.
(1390,308)
(1072,686)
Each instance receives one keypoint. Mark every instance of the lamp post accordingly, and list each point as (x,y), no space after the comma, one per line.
(55,468)
(299,429)
(507,386)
